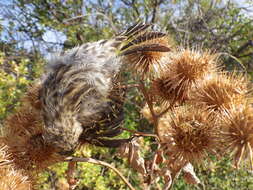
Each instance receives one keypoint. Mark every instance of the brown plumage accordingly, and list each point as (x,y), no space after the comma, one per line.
(80,98)
(147,52)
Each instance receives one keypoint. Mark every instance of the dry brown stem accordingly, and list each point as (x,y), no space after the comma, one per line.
(71,175)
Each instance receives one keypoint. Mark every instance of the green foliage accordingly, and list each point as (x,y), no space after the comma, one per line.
(220,175)
(15,75)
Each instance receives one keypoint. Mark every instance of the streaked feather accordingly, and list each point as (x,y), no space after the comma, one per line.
(80,100)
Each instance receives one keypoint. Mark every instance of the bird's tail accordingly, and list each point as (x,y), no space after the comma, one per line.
(140,35)
(143,48)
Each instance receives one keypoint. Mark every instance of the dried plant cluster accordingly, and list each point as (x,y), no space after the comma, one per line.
(23,135)
(11,178)
(237,133)
(190,137)
(184,70)
(221,92)
(203,110)
(150,49)
(197,110)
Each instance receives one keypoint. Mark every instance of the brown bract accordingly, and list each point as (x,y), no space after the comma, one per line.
(237,133)
(185,70)
(146,53)
(10,177)
(221,92)
(190,135)
(22,134)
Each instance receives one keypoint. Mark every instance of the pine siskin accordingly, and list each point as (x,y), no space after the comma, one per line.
(80,100)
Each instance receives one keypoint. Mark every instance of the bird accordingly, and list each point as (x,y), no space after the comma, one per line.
(81,97)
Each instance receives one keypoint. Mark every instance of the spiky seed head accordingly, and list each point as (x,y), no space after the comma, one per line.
(221,92)
(187,67)
(237,133)
(23,135)
(10,177)
(189,136)
(147,53)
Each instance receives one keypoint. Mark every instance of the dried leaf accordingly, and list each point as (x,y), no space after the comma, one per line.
(189,174)
(131,151)
(160,157)
(168,179)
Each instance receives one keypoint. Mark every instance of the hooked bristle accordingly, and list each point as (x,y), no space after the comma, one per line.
(221,92)
(23,136)
(185,70)
(237,133)
(10,177)
(189,136)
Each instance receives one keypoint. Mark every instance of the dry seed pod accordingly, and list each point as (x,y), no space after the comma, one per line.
(147,52)
(221,92)
(23,135)
(10,177)
(145,111)
(190,135)
(237,133)
(186,69)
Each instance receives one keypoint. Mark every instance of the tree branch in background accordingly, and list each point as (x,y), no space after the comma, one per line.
(98,162)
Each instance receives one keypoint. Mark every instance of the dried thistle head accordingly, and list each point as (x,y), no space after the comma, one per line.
(186,69)
(237,133)
(10,177)
(22,134)
(189,136)
(147,52)
(221,92)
